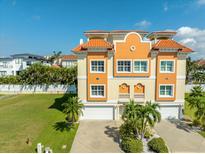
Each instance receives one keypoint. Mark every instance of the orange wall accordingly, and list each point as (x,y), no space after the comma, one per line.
(92,77)
(166,78)
(123,52)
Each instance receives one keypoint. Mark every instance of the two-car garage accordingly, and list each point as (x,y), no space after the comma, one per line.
(108,112)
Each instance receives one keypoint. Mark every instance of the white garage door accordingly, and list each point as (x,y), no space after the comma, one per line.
(169,112)
(98,112)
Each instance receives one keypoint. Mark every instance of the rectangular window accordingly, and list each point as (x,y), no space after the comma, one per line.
(167,66)
(166,90)
(140,66)
(97,66)
(5,64)
(2,73)
(18,61)
(124,66)
(97,91)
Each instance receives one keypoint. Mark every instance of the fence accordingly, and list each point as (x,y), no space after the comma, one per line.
(49,89)
(190,86)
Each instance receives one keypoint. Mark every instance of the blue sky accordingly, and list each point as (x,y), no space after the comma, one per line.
(42,26)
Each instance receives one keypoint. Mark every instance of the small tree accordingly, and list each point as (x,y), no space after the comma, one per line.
(149,116)
(73,109)
(55,56)
(141,116)
(195,100)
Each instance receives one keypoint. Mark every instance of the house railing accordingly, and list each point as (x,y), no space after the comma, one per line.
(139,95)
(124,95)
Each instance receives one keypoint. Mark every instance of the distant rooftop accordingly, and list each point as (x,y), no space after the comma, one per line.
(115,31)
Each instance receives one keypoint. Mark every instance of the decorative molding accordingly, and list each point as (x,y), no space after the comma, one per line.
(125,38)
(82,77)
(154,53)
(181,77)
(182,55)
(131,78)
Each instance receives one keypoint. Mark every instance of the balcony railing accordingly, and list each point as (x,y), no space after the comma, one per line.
(124,95)
(140,95)
(6,66)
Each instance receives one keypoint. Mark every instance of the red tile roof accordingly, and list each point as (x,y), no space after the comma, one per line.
(69,57)
(127,31)
(200,62)
(93,43)
(96,31)
(55,66)
(163,44)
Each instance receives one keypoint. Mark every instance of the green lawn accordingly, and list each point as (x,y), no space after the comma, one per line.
(37,117)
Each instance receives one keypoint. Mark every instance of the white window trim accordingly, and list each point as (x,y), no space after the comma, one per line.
(124,60)
(91,96)
(167,71)
(166,96)
(97,60)
(140,60)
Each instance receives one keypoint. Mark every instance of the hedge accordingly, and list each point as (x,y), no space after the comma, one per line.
(158,145)
(131,145)
(38,74)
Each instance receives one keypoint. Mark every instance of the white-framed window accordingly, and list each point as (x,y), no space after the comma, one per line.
(18,61)
(166,90)
(97,91)
(166,66)
(2,73)
(124,66)
(97,66)
(140,66)
(5,64)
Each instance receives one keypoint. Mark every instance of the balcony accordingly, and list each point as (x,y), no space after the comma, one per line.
(6,66)
(124,97)
(139,97)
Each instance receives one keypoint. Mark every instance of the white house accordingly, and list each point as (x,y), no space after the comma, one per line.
(16,63)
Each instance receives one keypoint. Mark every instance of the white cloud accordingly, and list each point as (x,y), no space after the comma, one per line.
(165,7)
(36,17)
(193,38)
(143,24)
(201,2)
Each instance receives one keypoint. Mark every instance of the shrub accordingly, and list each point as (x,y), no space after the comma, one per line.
(196,123)
(127,131)
(132,145)
(158,145)
(148,134)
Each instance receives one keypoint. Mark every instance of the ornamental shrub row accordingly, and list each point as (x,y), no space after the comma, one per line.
(38,74)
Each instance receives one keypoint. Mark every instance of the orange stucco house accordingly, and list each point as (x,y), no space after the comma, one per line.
(116,66)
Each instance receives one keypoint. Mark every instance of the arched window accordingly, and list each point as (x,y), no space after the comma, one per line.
(124,88)
(139,88)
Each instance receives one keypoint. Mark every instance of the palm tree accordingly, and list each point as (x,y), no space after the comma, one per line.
(196,91)
(55,56)
(191,68)
(149,116)
(131,111)
(73,109)
(131,116)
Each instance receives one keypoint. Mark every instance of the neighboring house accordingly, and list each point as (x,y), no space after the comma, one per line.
(14,64)
(116,66)
(68,60)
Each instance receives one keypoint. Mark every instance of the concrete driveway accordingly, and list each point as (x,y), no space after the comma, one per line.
(97,137)
(179,137)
